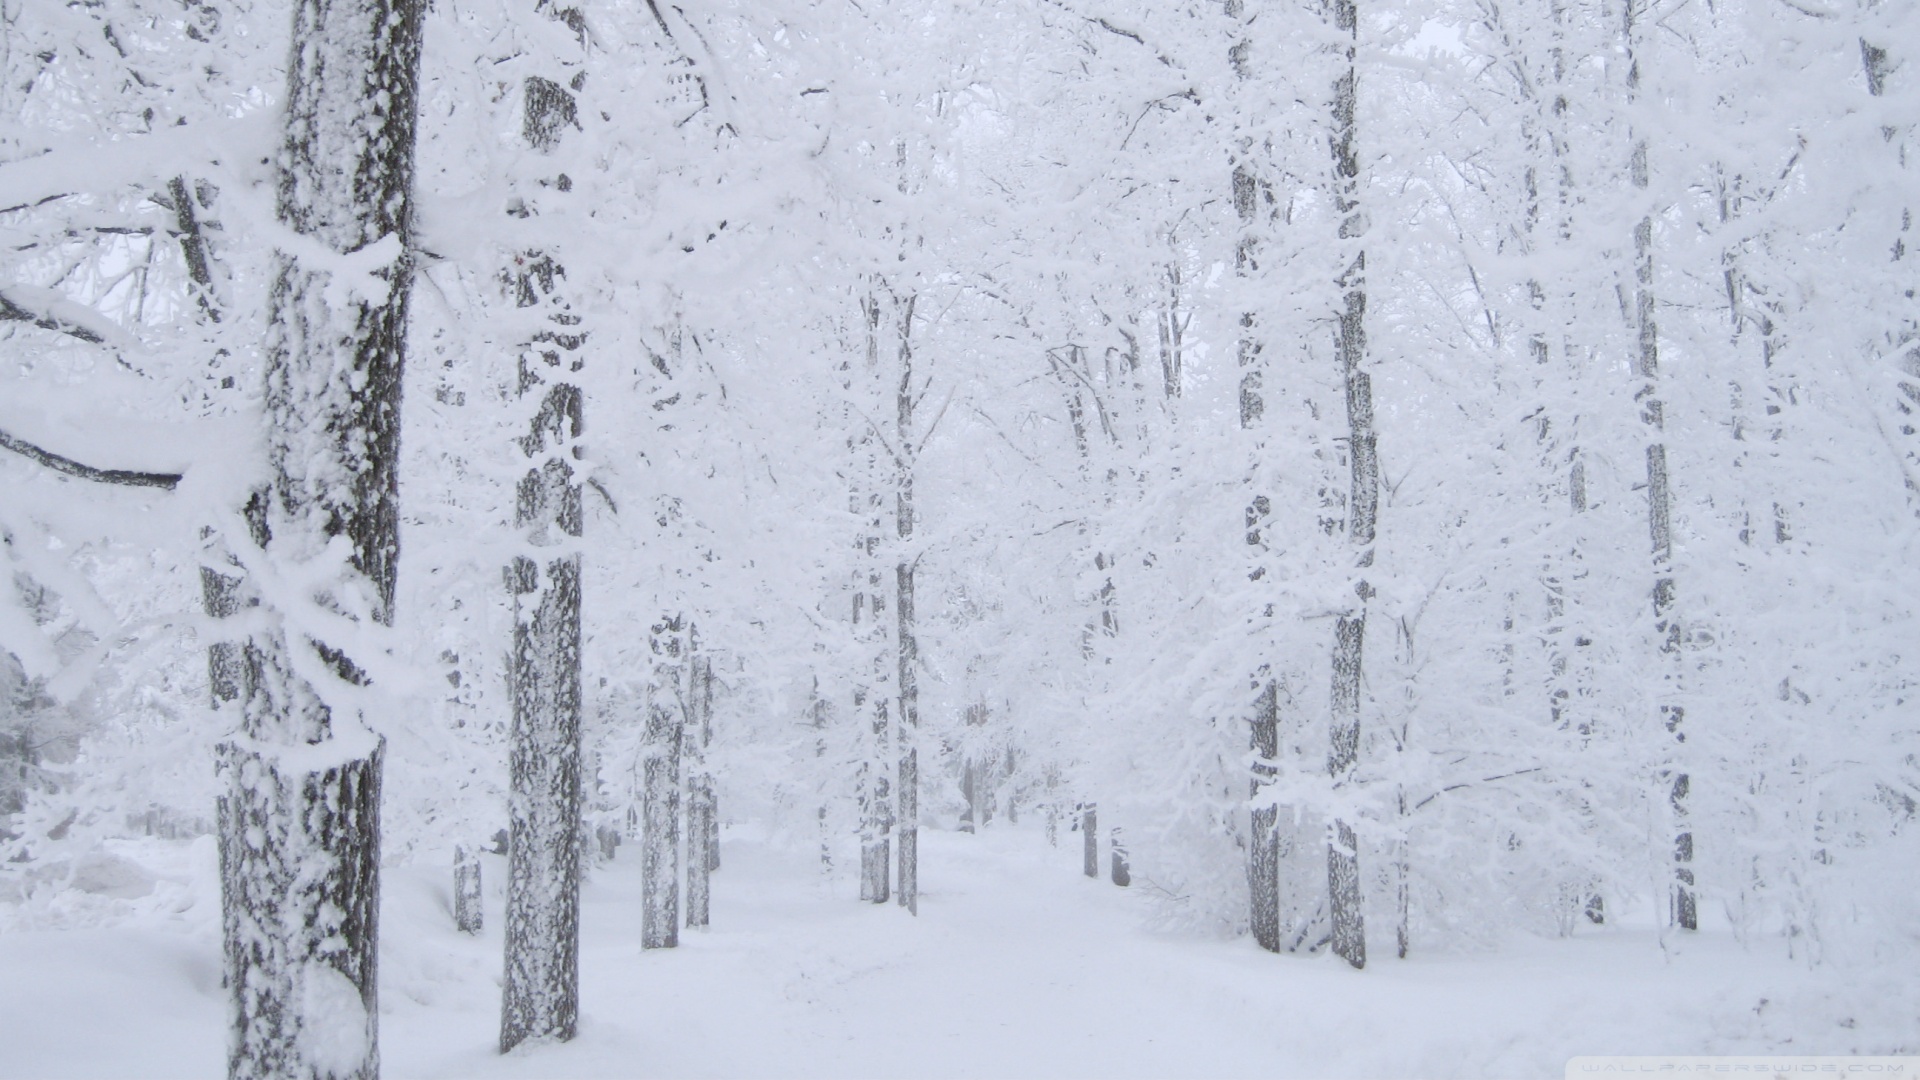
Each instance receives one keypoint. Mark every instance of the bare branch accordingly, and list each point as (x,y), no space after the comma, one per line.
(70,467)
(10,311)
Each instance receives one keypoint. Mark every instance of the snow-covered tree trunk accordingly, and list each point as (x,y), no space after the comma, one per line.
(1343,855)
(1070,364)
(1667,627)
(976,770)
(660,789)
(540,998)
(468,916)
(1566,632)
(1250,193)
(222,595)
(300,886)
(1090,840)
(870,697)
(1901,342)
(702,828)
(1263,854)
(906,639)
(299,819)
(819,717)
(221,598)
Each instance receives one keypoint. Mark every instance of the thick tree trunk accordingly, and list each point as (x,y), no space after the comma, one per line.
(1120,870)
(299,819)
(223,596)
(540,998)
(301,956)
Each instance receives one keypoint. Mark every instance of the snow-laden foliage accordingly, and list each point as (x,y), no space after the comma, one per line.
(1112,556)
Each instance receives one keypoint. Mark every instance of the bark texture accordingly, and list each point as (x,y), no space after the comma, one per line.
(540,998)
(660,792)
(1667,626)
(300,813)
(1345,899)
(906,640)
(1263,855)
(1090,840)
(301,963)
(871,697)
(703,837)
(1250,192)
(468,917)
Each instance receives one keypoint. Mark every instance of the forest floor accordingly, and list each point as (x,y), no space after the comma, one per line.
(1017,966)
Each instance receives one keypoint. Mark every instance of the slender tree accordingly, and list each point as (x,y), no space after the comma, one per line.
(468,916)
(906,633)
(1251,195)
(703,827)
(1646,369)
(1349,635)
(871,700)
(1880,66)
(661,787)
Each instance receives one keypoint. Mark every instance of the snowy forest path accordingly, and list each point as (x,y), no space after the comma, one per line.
(1017,966)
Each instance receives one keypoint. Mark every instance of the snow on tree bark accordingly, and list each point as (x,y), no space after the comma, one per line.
(909,794)
(870,696)
(299,819)
(468,916)
(540,997)
(1667,625)
(1250,192)
(1901,341)
(301,959)
(1090,840)
(660,791)
(194,250)
(1263,855)
(906,642)
(1343,857)
(702,826)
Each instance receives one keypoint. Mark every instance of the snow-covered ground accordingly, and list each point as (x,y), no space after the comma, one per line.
(1016,966)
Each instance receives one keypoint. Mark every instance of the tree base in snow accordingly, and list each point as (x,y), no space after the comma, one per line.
(300,901)
(467,916)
